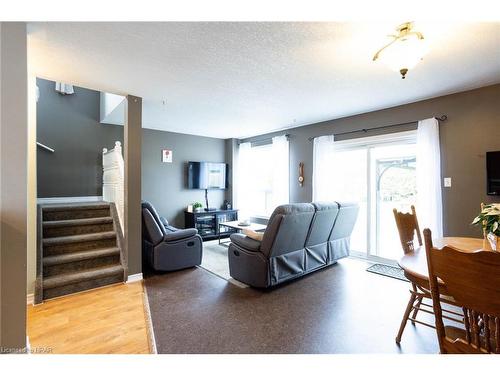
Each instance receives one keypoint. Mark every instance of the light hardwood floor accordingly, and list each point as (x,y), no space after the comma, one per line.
(106,320)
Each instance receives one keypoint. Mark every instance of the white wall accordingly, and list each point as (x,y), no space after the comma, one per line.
(13,178)
(32,192)
(112,109)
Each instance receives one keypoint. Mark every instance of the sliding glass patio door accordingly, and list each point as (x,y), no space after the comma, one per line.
(380,174)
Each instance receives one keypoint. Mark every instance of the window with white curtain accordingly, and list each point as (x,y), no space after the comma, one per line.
(263,177)
(379,173)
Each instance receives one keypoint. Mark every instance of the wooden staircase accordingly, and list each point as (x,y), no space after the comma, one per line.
(78,249)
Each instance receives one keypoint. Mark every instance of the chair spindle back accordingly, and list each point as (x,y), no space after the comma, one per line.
(407,224)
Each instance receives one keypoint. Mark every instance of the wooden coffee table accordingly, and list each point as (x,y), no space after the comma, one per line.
(235,225)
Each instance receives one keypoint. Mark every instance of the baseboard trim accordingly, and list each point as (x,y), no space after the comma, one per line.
(149,321)
(30,299)
(135,277)
(90,198)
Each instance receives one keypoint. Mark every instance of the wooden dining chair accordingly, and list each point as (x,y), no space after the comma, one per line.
(473,280)
(407,224)
(408,228)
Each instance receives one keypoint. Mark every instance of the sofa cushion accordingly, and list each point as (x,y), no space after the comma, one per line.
(148,206)
(245,242)
(164,221)
(322,224)
(346,218)
(180,234)
(270,233)
(289,226)
(151,229)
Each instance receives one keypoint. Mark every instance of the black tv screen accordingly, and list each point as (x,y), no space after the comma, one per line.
(207,175)
(493,172)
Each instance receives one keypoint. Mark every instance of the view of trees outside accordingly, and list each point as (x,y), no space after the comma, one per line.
(392,184)
(397,189)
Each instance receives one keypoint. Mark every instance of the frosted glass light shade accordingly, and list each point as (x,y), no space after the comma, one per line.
(404,53)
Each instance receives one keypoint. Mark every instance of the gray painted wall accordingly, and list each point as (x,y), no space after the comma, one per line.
(472,128)
(13,178)
(164,184)
(70,125)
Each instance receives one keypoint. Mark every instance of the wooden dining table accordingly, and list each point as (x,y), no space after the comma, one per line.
(414,263)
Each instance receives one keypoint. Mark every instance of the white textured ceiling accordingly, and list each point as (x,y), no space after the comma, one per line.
(240,79)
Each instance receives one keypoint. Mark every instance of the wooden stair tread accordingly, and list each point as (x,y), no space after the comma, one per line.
(75,206)
(79,255)
(78,238)
(75,222)
(75,277)
(80,248)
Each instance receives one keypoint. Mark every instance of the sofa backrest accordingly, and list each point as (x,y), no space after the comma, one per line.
(152,227)
(346,218)
(322,223)
(287,229)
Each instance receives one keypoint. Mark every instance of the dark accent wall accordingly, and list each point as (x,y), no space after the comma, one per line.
(132,160)
(164,184)
(70,125)
(472,128)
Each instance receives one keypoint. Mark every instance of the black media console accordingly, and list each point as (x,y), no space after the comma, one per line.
(207,223)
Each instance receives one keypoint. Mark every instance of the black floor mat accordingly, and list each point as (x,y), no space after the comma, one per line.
(391,271)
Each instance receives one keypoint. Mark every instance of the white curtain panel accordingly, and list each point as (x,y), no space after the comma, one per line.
(323,168)
(245,176)
(429,201)
(281,167)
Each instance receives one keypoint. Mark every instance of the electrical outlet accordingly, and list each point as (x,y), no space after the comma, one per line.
(447,182)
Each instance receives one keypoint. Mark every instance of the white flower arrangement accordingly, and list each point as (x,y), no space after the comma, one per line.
(489,219)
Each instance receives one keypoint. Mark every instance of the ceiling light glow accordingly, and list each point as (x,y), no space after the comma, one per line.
(405,51)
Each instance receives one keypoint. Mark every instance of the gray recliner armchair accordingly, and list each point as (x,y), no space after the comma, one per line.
(165,247)
(300,238)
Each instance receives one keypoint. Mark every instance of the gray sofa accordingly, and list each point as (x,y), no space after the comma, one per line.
(300,238)
(166,248)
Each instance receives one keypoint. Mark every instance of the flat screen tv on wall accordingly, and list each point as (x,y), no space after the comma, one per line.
(207,175)
(493,172)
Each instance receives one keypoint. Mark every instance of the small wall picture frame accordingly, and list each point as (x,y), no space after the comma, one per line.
(166,156)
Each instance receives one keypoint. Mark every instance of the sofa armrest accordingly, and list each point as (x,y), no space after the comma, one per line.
(245,242)
(180,234)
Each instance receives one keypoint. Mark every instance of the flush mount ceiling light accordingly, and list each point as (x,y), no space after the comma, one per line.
(405,50)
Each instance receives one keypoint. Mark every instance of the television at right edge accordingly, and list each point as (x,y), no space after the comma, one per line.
(493,173)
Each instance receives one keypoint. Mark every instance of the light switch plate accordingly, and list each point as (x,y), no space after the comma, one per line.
(447,182)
